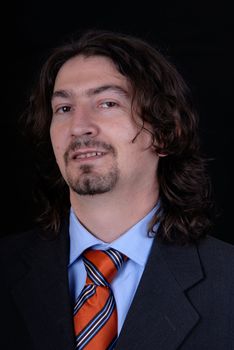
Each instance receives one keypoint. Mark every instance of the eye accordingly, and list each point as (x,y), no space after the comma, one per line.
(108,104)
(63,109)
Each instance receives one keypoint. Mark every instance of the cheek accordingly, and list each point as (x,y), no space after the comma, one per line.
(52,136)
(142,143)
(58,152)
(57,144)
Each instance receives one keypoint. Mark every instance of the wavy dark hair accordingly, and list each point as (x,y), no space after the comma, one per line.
(164,101)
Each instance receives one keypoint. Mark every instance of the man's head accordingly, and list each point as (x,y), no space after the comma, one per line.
(155,116)
(96,132)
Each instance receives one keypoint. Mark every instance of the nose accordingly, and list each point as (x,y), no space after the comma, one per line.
(83,123)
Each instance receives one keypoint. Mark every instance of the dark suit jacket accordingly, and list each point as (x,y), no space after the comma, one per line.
(185,299)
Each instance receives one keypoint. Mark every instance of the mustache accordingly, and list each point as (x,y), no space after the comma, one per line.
(77,144)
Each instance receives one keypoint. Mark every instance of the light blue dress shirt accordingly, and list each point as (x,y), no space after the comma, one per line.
(135,244)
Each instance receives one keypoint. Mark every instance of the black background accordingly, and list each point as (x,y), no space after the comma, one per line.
(198,38)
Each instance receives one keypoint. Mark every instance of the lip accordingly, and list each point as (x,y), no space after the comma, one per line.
(87,154)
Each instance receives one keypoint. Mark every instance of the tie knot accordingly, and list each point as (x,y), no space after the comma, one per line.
(102,265)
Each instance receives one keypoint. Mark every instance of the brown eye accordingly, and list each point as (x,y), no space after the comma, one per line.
(64,109)
(108,104)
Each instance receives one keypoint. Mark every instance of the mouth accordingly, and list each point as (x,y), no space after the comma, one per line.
(84,155)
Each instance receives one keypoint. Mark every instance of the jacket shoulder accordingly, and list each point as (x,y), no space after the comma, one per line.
(11,243)
(15,245)
(212,244)
(217,256)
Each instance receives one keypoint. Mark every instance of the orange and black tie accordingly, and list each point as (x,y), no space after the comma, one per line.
(95,313)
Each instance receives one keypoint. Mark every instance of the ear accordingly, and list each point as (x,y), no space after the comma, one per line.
(159,154)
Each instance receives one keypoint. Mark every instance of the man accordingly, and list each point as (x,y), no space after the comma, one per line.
(126,179)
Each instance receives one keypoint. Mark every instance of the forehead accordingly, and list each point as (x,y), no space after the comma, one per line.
(84,72)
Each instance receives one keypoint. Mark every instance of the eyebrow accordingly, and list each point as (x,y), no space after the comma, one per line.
(92,92)
(114,88)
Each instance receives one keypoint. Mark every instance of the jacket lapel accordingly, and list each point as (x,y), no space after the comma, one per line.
(44,301)
(161,316)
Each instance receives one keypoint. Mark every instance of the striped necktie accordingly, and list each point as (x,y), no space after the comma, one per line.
(95,314)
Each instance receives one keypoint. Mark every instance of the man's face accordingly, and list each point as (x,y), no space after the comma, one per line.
(93,128)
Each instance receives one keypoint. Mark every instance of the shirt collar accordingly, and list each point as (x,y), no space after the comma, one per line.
(135,243)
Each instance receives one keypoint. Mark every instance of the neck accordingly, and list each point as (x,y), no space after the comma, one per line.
(107,216)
